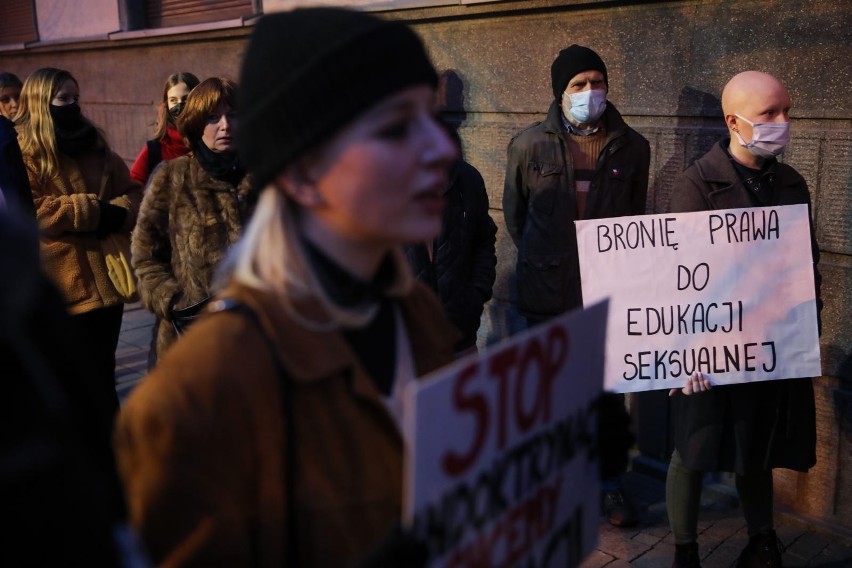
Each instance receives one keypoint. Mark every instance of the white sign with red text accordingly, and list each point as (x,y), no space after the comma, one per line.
(501,468)
(729,293)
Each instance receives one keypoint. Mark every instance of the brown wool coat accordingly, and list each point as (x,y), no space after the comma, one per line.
(187,222)
(201,443)
(68,213)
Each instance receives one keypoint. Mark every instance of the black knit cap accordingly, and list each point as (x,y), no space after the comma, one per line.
(307,73)
(570,61)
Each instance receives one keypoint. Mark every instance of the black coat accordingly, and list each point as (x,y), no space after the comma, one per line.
(748,427)
(539,205)
(14,183)
(60,493)
(463,267)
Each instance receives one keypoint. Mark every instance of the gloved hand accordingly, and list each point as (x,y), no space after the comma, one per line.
(400,549)
(112,218)
(614,436)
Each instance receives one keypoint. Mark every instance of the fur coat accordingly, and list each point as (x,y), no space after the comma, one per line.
(186,224)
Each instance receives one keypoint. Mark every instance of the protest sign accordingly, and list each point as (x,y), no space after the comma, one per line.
(501,466)
(729,293)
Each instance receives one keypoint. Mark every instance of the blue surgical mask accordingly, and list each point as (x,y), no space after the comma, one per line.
(768,139)
(585,107)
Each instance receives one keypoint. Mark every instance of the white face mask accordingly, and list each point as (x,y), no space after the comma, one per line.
(585,107)
(767,138)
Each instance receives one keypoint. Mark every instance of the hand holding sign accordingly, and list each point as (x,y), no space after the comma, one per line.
(695,383)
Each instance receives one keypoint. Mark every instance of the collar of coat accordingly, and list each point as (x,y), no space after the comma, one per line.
(726,189)
(312,355)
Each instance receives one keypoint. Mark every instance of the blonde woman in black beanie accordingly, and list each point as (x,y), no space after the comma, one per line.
(269,435)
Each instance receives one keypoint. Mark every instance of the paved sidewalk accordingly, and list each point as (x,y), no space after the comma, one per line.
(131,356)
(722,531)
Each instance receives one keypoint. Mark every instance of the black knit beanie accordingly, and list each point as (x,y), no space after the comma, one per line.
(570,61)
(307,73)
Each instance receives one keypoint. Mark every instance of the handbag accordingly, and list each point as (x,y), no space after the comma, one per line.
(116,250)
(184,317)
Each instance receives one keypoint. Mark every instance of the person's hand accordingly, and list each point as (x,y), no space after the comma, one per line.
(112,219)
(400,549)
(614,436)
(695,383)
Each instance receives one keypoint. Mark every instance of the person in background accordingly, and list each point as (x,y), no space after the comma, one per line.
(167,142)
(749,428)
(14,181)
(269,434)
(582,162)
(10,94)
(460,263)
(59,477)
(82,193)
(195,208)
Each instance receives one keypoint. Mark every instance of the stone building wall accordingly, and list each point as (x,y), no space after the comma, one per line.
(667,62)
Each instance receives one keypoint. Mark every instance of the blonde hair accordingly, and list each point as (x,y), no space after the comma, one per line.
(34,123)
(270,256)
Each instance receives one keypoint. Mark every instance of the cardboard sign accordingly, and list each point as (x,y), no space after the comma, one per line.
(729,293)
(501,469)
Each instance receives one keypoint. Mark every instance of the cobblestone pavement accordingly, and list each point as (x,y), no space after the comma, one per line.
(722,531)
(131,356)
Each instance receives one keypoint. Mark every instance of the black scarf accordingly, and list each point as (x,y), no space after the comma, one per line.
(375,343)
(224,166)
(74,134)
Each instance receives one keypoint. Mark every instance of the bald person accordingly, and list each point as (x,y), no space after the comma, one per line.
(750,428)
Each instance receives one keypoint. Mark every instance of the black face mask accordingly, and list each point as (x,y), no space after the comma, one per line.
(175,111)
(68,117)
(74,134)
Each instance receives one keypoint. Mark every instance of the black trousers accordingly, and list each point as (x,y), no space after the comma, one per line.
(98,330)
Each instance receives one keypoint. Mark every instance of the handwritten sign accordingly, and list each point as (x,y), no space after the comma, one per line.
(501,468)
(729,293)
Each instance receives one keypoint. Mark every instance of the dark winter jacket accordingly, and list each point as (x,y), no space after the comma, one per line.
(749,427)
(539,204)
(14,182)
(59,475)
(463,265)
(187,222)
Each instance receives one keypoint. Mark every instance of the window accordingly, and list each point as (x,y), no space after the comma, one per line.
(19,26)
(166,13)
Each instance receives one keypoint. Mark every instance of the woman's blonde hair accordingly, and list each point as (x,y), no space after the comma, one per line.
(34,123)
(271,257)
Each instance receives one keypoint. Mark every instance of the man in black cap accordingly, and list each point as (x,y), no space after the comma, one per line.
(581,162)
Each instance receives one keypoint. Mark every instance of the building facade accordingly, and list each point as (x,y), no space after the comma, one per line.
(667,61)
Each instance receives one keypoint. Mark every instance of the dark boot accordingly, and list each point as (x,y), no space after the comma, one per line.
(762,551)
(686,556)
(619,511)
